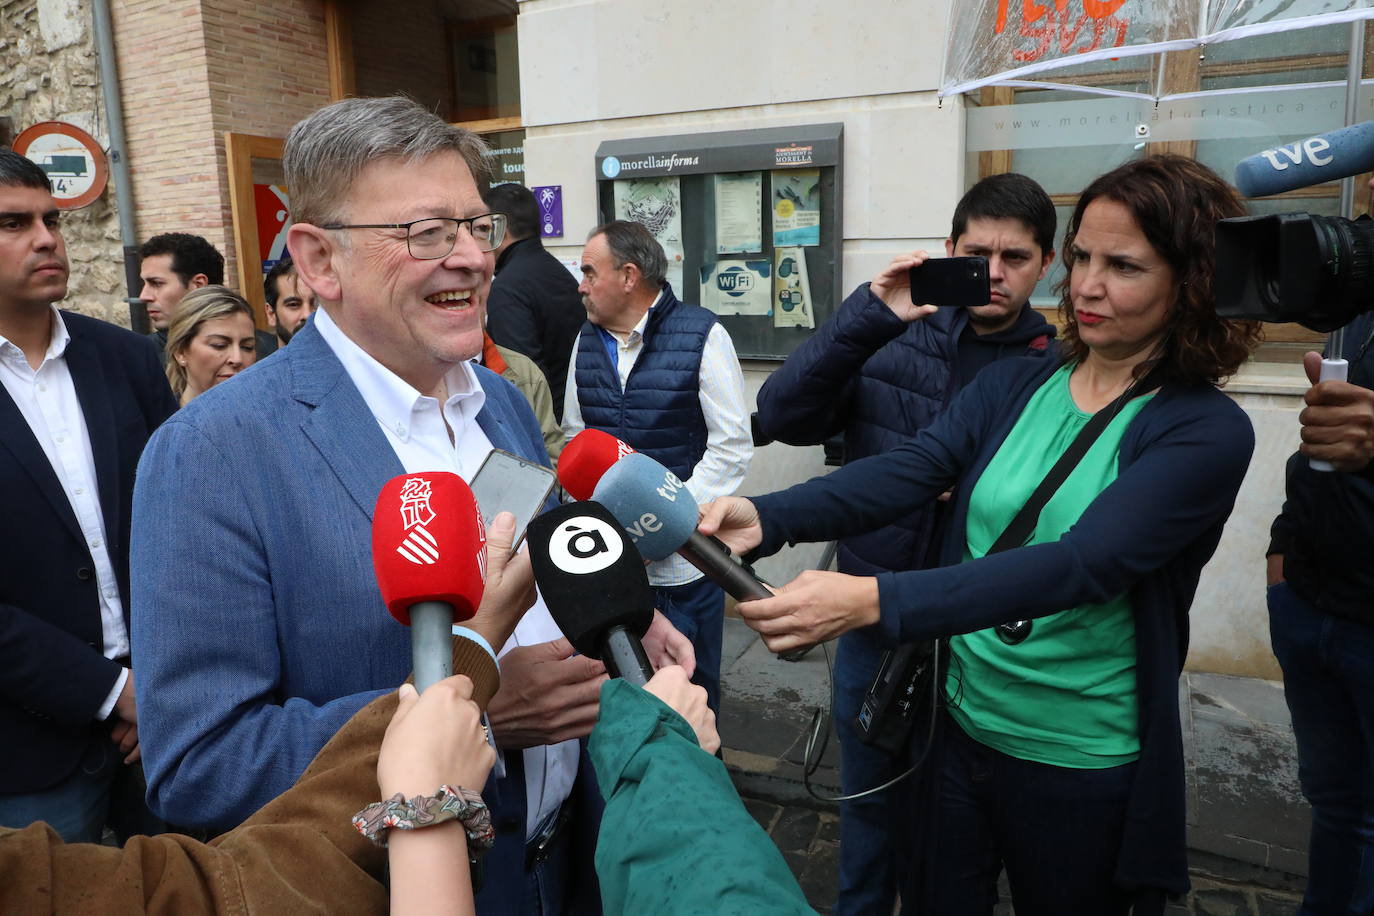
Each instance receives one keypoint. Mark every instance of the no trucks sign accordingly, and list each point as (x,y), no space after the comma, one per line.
(74,162)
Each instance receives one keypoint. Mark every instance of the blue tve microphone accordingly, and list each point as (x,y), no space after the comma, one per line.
(1325,157)
(659,514)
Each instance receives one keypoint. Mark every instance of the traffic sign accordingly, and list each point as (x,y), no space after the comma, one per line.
(73,161)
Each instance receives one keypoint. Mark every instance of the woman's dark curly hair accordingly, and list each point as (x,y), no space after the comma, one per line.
(1176,201)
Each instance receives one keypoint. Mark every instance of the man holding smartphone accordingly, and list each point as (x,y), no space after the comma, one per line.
(875,374)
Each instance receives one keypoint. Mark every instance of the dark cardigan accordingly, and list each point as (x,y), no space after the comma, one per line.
(1150,533)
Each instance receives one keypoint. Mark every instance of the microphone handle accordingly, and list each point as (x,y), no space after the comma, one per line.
(623,655)
(1338,369)
(707,555)
(431,642)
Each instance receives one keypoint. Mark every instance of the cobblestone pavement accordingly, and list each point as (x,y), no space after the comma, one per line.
(810,842)
(766,711)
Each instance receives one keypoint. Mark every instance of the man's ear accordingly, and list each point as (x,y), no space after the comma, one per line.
(271,314)
(632,275)
(1045,263)
(315,255)
(199,281)
(949,248)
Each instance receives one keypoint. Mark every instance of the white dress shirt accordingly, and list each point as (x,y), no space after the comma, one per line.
(414,424)
(729,439)
(46,396)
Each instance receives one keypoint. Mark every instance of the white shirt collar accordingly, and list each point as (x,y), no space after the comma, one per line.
(57,346)
(392,400)
(637,332)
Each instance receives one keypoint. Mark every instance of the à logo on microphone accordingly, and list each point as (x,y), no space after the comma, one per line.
(419,546)
(584,545)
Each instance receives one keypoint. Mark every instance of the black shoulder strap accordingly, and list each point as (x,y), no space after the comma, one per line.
(1020,527)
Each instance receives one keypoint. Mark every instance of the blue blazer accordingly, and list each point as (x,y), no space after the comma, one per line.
(258,626)
(53,672)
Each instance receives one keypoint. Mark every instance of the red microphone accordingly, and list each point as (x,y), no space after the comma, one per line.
(429,553)
(589,455)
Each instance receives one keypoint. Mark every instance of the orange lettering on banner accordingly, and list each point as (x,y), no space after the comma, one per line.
(1061,27)
(1101,9)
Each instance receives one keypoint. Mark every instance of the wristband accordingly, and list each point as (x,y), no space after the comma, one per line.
(449,803)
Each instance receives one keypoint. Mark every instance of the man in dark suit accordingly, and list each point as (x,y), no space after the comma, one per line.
(534,307)
(78,400)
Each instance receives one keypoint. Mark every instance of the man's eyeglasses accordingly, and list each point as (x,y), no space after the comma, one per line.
(434,238)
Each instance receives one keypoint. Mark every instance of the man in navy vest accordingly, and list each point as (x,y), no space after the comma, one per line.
(662,376)
(879,380)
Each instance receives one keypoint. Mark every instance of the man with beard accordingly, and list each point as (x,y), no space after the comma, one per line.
(290,303)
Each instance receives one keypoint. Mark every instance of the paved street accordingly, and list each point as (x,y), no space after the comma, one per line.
(1242,802)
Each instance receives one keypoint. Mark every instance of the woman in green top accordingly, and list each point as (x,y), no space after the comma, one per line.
(1060,758)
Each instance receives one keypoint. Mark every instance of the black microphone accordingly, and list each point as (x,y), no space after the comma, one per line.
(594,584)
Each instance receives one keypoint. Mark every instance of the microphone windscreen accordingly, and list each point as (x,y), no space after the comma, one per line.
(656,509)
(589,574)
(1325,157)
(585,458)
(428,544)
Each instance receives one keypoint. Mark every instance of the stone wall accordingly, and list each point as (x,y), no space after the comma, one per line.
(48,72)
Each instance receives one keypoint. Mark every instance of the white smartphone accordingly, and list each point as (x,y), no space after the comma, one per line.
(509,483)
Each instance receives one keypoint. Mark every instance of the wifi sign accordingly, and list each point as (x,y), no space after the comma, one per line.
(734,281)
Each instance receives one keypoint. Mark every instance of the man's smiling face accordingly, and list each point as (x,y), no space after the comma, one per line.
(417,318)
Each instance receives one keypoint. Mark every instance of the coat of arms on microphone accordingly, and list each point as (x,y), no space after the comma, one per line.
(419,546)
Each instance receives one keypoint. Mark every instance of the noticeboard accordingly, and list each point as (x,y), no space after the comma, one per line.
(749,219)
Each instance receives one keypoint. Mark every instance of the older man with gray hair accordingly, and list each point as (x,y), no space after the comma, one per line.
(256,613)
(662,376)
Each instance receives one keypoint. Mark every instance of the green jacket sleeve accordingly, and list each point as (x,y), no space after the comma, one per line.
(675,837)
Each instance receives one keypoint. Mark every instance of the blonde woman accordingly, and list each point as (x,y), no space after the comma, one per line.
(211,338)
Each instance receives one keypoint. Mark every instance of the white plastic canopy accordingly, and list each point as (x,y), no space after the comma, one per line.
(1027,43)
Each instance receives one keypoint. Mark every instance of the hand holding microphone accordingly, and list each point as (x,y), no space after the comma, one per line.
(1338,422)
(509,591)
(673,687)
(814,607)
(434,740)
(734,521)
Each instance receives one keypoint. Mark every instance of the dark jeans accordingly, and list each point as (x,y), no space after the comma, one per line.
(1328,682)
(697,609)
(872,846)
(1056,830)
(100,792)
